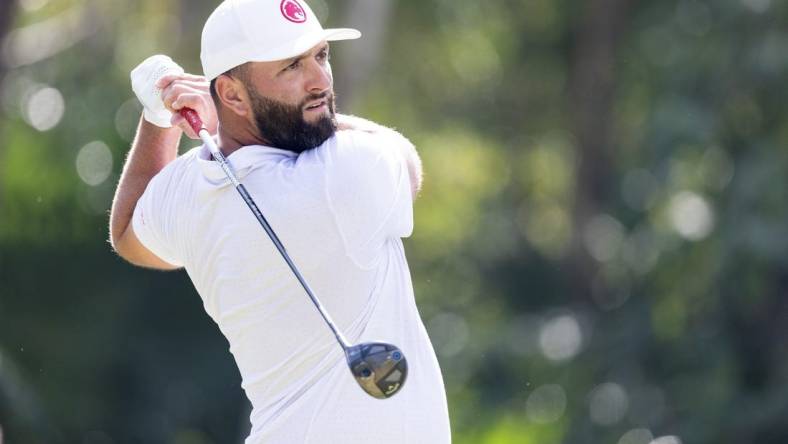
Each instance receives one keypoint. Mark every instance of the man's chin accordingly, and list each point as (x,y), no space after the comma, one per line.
(313,117)
(323,120)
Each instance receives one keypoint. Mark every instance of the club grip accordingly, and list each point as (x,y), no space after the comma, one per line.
(193,118)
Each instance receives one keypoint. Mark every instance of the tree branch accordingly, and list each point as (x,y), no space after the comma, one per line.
(591,92)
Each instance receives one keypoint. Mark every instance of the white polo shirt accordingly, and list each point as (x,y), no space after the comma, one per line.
(340,211)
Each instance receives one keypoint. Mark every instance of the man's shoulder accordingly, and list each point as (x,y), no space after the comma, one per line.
(190,157)
(372,142)
(352,149)
(360,147)
(176,172)
(362,158)
(182,163)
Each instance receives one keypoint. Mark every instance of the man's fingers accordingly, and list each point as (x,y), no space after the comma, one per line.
(165,80)
(197,85)
(189,91)
(190,100)
(200,104)
(170,95)
(192,79)
(179,86)
(179,121)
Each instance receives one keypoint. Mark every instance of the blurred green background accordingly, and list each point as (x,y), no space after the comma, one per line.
(601,246)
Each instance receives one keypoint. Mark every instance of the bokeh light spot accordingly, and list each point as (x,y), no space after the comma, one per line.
(641,250)
(94,163)
(32,5)
(44,108)
(449,332)
(127,118)
(636,436)
(546,404)
(560,338)
(667,440)
(475,59)
(691,215)
(548,169)
(98,199)
(547,227)
(608,404)
(603,236)
(758,6)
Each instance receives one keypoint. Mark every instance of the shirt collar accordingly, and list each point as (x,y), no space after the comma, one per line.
(243,161)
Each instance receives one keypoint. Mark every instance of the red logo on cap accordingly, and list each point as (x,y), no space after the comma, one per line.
(293,11)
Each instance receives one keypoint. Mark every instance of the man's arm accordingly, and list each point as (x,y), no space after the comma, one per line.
(152,150)
(163,88)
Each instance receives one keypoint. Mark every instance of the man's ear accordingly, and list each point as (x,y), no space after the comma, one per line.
(232,93)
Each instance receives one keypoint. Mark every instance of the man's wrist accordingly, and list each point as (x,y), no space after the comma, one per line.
(153,127)
(160,119)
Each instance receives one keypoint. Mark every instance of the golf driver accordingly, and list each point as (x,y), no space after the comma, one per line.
(379,368)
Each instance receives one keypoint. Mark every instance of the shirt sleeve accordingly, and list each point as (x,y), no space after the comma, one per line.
(369,191)
(153,221)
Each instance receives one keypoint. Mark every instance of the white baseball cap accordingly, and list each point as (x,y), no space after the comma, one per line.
(240,31)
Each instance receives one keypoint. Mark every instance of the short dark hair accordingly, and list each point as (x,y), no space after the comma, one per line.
(239,72)
(214,96)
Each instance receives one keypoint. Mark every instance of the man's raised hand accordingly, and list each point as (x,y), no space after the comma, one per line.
(188,91)
(164,88)
(143,81)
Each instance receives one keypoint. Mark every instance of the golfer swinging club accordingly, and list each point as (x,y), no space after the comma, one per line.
(337,190)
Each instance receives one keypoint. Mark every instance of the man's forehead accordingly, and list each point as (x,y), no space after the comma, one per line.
(277,64)
(313,50)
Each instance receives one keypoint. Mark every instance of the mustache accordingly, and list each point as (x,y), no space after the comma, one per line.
(313,97)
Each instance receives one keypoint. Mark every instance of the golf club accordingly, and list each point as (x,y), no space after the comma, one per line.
(379,368)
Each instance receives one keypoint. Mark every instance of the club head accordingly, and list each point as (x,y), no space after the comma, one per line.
(379,368)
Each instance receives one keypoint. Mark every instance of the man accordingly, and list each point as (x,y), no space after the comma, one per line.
(338,194)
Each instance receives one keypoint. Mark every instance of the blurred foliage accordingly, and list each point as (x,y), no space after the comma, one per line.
(652,309)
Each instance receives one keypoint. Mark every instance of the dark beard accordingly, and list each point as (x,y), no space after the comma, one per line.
(283,126)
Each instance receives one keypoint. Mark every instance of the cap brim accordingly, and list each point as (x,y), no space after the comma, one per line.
(341,34)
(304,43)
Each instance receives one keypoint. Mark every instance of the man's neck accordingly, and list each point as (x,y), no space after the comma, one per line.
(230,141)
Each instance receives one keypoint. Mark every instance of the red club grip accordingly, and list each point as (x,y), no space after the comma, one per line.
(194,120)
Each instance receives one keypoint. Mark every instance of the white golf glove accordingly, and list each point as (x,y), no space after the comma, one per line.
(143,82)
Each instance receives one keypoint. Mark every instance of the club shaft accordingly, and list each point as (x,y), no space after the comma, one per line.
(224,163)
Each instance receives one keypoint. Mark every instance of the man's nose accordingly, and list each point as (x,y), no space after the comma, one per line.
(320,78)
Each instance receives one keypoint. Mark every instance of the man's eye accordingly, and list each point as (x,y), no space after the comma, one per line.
(324,55)
(293,66)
